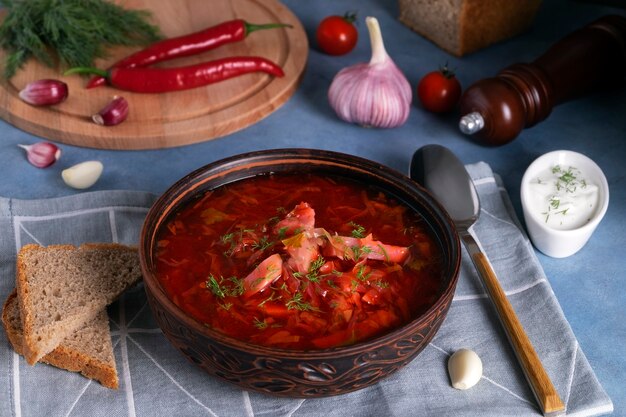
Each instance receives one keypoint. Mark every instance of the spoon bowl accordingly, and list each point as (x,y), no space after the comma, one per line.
(441,173)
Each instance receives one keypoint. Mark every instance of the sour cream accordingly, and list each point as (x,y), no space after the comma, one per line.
(563,197)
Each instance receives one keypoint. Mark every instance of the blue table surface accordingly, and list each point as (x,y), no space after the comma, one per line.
(589,285)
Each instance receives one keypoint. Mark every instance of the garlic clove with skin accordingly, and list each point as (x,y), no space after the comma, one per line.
(113,113)
(83,175)
(42,154)
(44,92)
(374,94)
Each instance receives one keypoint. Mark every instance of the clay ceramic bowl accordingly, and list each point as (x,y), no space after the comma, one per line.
(293,373)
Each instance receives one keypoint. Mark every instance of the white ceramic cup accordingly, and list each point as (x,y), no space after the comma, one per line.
(560,243)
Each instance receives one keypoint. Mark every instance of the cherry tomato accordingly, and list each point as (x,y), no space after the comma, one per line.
(337,35)
(439,91)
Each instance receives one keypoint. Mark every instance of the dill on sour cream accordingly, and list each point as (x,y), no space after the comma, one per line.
(563,197)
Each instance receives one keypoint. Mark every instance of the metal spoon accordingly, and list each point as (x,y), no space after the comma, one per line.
(442,173)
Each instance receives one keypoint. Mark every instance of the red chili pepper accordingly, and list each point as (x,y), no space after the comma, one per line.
(186,45)
(162,80)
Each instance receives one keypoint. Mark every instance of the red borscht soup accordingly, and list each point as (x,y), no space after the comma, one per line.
(299,261)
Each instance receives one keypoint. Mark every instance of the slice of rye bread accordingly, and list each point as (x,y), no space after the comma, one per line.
(88,350)
(61,287)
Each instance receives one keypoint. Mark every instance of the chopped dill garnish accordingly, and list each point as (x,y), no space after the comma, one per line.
(384,251)
(257,281)
(219,287)
(381,284)
(216,287)
(297,302)
(227,238)
(238,288)
(225,306)
(273,296)
(358,231)
(362,274)
(282,233)
(314,269)
(567,181)
(567,177)
(260,324)
(263,244)
(317,264)
(313,277)
(358,252)
(554,202)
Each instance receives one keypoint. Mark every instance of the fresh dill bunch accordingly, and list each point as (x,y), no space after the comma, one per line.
(71,33)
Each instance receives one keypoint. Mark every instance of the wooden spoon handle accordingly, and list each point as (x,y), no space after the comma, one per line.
(540,383)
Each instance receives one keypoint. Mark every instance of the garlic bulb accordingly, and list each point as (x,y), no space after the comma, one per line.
(375,94)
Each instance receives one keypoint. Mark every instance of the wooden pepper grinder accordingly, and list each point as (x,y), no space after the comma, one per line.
(495,110)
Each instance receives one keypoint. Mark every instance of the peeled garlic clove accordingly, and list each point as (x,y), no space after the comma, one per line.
(42,154)
(82,175)
(465,369)
(44,92)
(113,113)
(376,94)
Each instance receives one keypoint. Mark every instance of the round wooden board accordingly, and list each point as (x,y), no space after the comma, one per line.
(176,118)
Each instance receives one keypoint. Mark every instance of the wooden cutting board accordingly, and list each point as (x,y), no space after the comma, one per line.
(176,118)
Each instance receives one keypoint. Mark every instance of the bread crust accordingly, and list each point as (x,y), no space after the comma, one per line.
(485,23)
(14,337)
(407,22)
(62,356)
(480,23)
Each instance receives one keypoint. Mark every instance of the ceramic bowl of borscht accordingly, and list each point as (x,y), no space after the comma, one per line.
(299,272)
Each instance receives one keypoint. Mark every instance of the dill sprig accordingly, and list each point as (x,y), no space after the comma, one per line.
(71,33)
(358,231)
(298,303)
